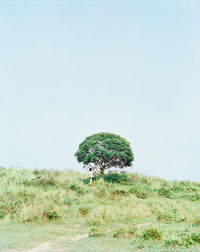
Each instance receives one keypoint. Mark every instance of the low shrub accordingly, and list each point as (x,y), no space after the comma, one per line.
(118,192)
(179,190)
(36,172)
(190,239)
(96,232)
(140,193)
(96,220)
(125,232)
(152,234)
(194,196)
(38,213)
(76,188)
(40,181)
(114,177)
(165,191)
(184,240)
(164,217)
(145,180)
(10,204)
(51,214)
(171,242)
(83,211)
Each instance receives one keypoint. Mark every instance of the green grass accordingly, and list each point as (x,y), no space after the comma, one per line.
(43,205)
(23,236)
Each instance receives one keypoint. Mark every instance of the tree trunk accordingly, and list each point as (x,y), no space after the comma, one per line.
(102,175)
(102,178)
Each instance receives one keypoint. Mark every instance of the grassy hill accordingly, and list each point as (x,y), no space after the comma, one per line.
(127,212)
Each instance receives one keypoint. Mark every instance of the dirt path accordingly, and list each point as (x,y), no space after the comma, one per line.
(42,247)
(77,237)
(48,245)
(143,224)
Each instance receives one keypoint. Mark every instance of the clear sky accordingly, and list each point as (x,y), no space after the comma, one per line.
(69,69)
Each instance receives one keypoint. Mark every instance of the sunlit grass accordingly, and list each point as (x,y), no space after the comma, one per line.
(115,209)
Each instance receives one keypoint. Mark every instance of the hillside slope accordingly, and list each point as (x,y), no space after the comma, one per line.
(134,210)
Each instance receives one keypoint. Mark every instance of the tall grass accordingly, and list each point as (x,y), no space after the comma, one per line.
(118,204)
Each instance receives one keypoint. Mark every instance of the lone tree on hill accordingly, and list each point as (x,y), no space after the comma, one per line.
(105,150)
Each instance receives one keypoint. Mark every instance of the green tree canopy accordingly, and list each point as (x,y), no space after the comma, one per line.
(105,150)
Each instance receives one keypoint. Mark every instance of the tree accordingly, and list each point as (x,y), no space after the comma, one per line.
(105,150)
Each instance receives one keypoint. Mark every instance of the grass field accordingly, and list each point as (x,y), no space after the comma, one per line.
(43,210)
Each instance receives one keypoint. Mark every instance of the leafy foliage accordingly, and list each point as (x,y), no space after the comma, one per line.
(105,150)
(96,232)
(83,211)
(185,240)
(125,232)
(151,233)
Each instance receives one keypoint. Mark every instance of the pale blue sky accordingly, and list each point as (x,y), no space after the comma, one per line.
(69,69)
